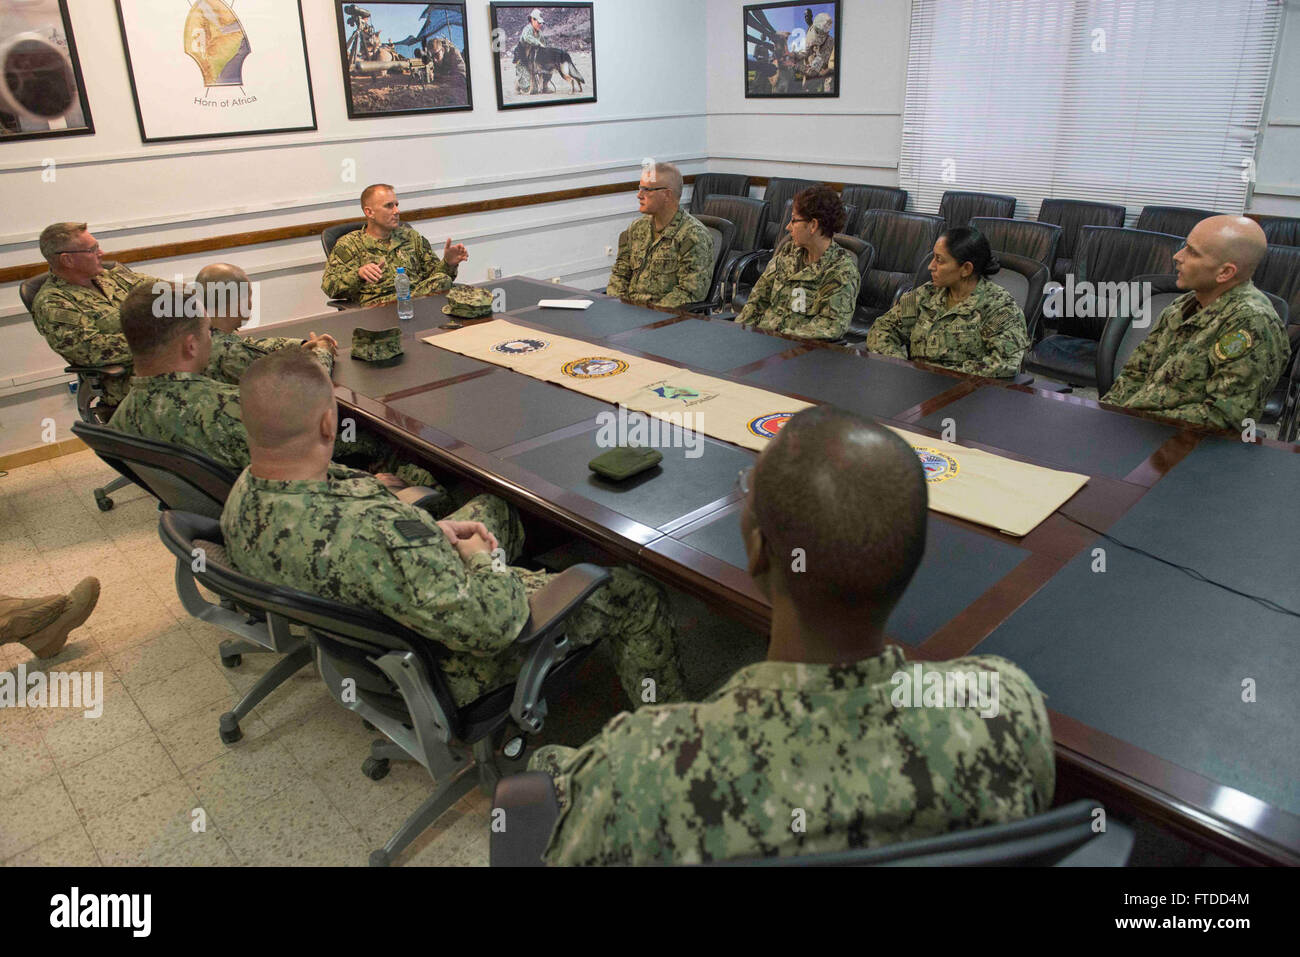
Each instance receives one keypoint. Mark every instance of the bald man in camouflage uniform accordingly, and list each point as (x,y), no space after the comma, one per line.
(228,301)
(76,310)
(362,266)
(815,749)
(665,258)
(1216,352)
(984,334)
(797,296)
(294,518)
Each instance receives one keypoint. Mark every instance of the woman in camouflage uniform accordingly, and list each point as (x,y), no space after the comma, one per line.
(958,319)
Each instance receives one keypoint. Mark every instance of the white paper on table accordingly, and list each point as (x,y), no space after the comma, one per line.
(566,303)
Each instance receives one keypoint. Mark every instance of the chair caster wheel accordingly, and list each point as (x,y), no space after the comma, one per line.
(376,769)
(380,858)
(367,725)
(229,728)
(103,501)
(231,661)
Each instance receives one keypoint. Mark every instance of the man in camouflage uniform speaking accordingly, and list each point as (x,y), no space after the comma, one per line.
(363,264)
(1216,352)
(77,308)
(815,749)
(228,302)
(666,257)
(294,518)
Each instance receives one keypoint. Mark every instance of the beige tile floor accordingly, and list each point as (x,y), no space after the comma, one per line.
(123,788)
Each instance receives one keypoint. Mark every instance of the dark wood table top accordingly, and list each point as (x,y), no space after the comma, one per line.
(1143,665)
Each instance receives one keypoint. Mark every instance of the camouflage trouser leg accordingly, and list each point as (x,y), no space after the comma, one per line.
(551,758)
(523,79)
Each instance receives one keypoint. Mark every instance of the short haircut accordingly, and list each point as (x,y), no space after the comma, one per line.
(55,238)
(224,287)
(368,194)
(150,320)
(666,174)
(851,494)
(966,244)
(282,396)
(823,204)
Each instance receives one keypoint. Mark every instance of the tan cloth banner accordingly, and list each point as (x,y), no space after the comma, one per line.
(1011,496)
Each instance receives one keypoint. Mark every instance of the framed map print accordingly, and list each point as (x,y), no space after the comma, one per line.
(202,68)
(41,90)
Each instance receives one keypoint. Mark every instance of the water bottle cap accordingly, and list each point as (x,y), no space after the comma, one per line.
(401,269)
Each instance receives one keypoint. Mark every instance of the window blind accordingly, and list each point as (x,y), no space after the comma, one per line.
(1139,102)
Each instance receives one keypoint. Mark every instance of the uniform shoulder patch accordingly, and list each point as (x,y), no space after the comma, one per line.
(1233,345)
(413,530)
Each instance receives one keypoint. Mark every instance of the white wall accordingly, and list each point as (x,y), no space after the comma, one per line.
(136,195)
(856,137)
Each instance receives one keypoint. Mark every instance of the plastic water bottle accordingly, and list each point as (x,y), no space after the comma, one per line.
(405,308)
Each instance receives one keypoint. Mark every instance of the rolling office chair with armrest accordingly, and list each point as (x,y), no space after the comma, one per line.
(1279,230)
(750,217)
(1061,837)
(391,676)
(864,198)
(902,241)
(716,184)
(328,237)
(722,232)
(1072,215)
(1020,237)
(92,387)
(779,191)
(957,207)
(1175,220)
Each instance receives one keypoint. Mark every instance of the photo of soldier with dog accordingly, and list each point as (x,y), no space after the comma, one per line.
(404,56)
(544,54)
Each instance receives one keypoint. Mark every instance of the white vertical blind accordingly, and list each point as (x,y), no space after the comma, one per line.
(1139,102)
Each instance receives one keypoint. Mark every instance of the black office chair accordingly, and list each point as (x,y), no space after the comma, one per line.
(871,197)
(92,387)
(716,184)
(901,241)
(750,217)
(1105,255)
(723,234)
(1279,274)
(1175,220)
(1020,237)
(1072,215)
(956,207)
(779,190)
(1061,837)
(328,237)
(1280,230)
(391,675)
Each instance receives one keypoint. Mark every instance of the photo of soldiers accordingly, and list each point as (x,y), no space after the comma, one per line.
(791,49)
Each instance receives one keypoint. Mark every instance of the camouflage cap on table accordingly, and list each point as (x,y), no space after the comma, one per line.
(377,345)
(467,302)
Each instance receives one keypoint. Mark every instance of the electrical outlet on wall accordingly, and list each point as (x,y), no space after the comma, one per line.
(609,250)
(494,272)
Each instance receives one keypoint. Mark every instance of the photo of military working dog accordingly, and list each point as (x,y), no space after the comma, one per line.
(404,56)
(545,55)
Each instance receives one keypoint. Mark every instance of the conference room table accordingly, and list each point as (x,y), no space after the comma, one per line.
(1171,698)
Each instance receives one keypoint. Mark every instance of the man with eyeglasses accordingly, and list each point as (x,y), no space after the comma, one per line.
(76,310)
(665,258)
(816,749)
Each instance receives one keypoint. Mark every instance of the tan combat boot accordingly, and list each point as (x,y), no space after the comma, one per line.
(43,624)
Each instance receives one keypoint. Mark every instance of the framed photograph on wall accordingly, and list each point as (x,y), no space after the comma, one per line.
(207,68)
(546,61)
(792,49)
(404,56)
(41,90)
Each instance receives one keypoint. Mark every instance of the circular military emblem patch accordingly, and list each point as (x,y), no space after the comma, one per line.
(768,425)
(937,466)
(519,347)
(593,367)
(1232,345)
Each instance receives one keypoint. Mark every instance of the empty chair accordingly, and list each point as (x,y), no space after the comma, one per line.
(391,676)
(1280,230)
(1062,837)
(1020,237)
(329,236)
(723,234)
(1105,255)
(1072,215)
(871,197)
(956,207)
(92,387)
(716,184)
(779,190)
(901,241)
(1175,220)
(750,217)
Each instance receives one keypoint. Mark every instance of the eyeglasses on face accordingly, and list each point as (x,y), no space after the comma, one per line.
(650,189)
(72,252)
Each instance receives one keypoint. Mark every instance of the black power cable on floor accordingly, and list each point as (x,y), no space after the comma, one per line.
(1189,571)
